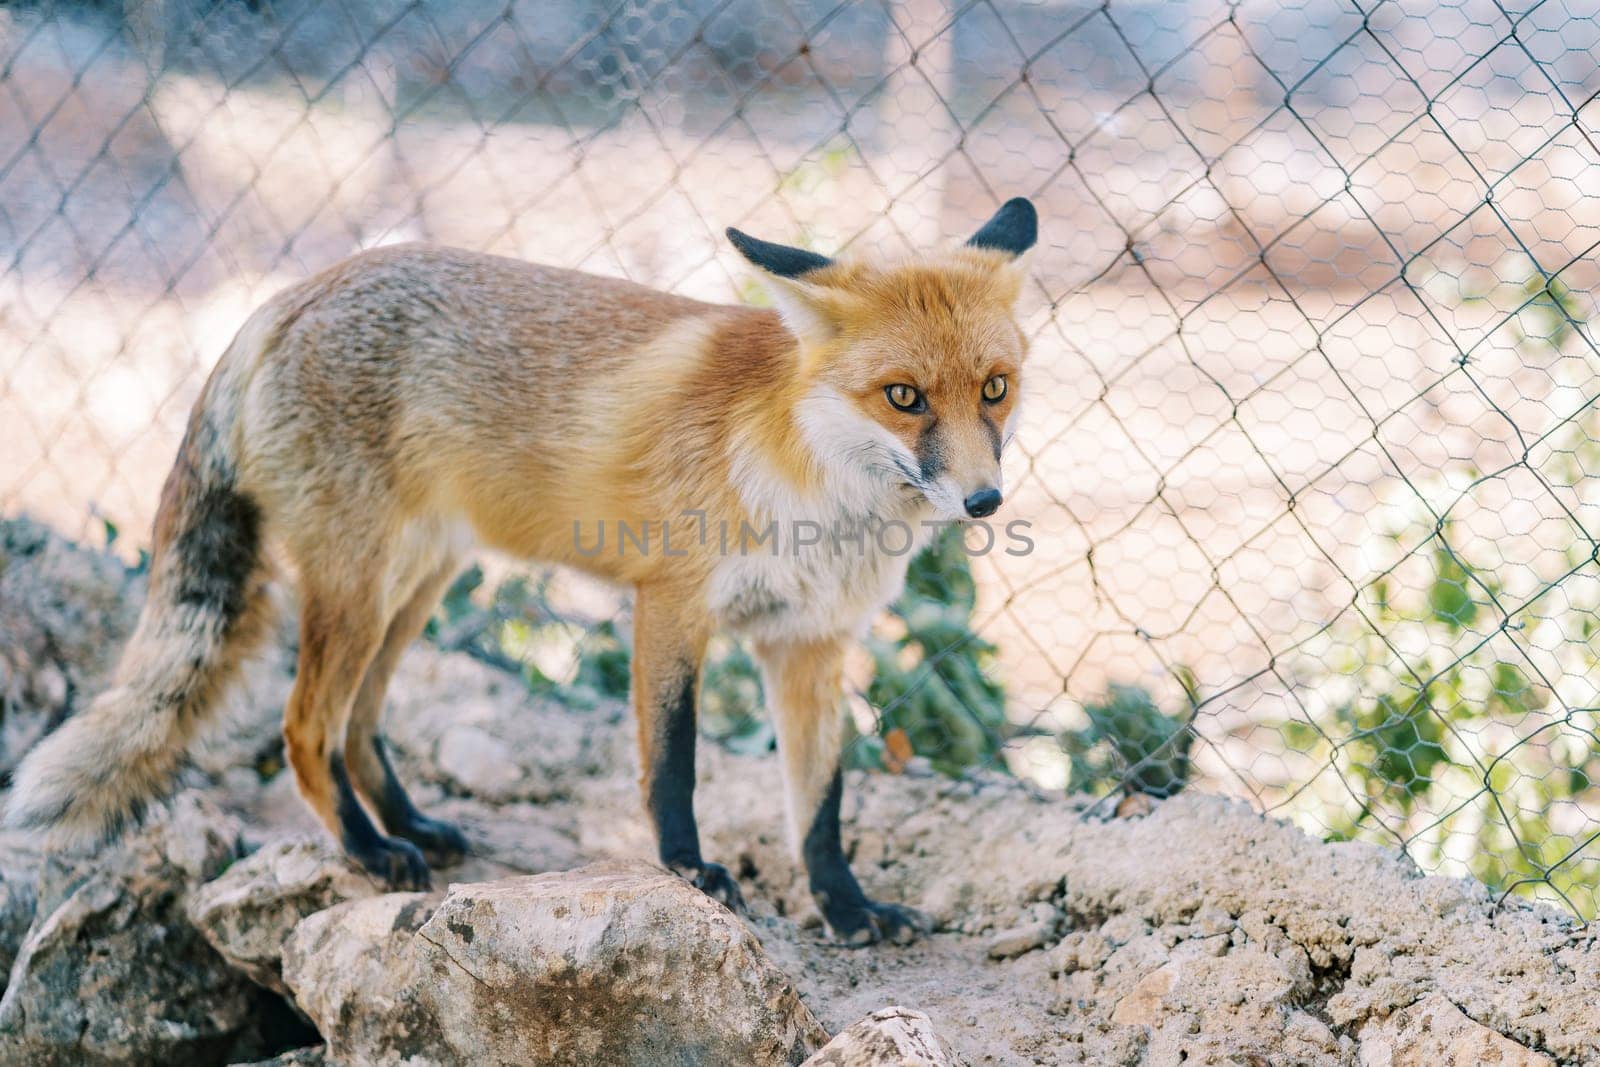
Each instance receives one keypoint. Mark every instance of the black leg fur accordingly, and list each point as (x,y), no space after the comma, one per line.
(852,917)
(441,842)
(671,798)
(393,860)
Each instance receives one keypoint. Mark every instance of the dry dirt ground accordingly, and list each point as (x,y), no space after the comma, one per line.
(1195,932)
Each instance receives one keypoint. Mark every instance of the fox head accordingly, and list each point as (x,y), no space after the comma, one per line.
(909,374)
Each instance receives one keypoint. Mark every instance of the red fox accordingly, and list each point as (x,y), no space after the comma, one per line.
(370,425)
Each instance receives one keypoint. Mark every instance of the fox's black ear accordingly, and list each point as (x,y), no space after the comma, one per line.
(1013,229)
(782,260)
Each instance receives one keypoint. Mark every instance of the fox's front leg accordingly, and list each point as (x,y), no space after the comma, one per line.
(804,688)
(669,641)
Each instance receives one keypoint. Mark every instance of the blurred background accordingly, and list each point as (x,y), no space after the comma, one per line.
(1310,451)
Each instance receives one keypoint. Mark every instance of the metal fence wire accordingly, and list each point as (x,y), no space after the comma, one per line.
(1310,450)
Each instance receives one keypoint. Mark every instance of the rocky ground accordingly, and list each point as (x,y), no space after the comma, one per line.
(1193,931)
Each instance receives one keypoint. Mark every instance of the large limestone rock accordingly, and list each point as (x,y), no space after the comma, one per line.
(111,971)
(891,1037)
(248,912)
(616,963)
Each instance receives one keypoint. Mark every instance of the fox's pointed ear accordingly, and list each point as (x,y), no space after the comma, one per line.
(1013,229)
(810,310)
(782,260)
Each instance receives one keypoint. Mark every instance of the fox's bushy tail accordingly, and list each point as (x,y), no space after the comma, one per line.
(207,609)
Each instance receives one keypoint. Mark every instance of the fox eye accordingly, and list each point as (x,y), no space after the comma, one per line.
(994,390)
(905,398)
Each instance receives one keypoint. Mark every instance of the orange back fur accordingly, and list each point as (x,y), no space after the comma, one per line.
(417,382)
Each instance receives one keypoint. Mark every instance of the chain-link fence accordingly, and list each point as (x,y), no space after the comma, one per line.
(1310,451)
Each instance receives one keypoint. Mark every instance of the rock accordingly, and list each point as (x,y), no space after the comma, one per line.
(1045,912)
(17,900)
(1226,991)
(1143,1005)
(1207,1005)
(20,863)
(891,1037)
(615,963)
(1019,939)
(64,611)
(1081,950)
(359,971)
(111,971)
(463,725)
(1434,1031)
(300,1057)
(248,912)
(473,757)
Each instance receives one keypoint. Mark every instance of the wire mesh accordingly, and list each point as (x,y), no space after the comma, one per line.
(1310,453)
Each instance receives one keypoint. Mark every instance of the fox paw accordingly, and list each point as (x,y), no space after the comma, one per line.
(713,880)
(442,843)
(873,922)
(397,863)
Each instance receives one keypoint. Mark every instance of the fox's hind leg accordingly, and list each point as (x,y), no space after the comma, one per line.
(441,842)
(804,686)
(342,628)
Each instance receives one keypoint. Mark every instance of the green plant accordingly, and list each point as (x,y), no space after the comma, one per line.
(933,676)
(1127,742)
(1423,698)
(515,628)
(1448,742)
(730,698)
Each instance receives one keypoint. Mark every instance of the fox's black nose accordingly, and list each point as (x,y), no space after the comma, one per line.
(983,503)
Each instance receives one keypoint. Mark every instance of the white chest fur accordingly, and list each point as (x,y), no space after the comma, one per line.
(829,558)
(813,578)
